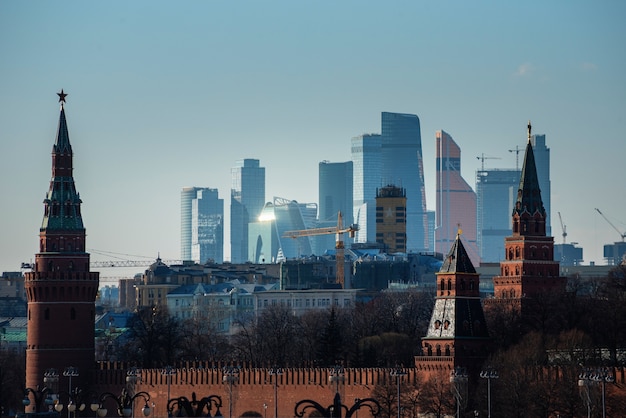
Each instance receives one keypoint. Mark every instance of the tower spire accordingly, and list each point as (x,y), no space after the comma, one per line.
(529,205)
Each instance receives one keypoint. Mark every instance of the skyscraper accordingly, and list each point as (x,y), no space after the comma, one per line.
(367,169)
(393,157)
(496,190)
(207,227)
(391,218)
(202,225)
(401,158)
(61,290)
(267,243)
(186,197)
(456,201)
(247,197)
(335,195)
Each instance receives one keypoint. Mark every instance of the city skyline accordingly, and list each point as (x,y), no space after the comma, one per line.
(164,98)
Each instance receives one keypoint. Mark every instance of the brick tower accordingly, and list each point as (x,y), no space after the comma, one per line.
(457,335)
(60,289)
(528,271)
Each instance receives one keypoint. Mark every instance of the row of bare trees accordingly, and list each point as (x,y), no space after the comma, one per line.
(382,332)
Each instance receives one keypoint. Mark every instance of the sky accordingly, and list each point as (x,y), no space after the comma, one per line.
(164,95)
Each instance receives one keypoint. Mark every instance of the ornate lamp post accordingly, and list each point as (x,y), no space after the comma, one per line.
(195,407)
(336,409)
(398,373)
(168,371)
(336,376)
(44,396)
(132,376)
(275,371)
(231,376)
(458,377)
(489,374)
(590,376)
(124,403)
(70,372)
(77,400)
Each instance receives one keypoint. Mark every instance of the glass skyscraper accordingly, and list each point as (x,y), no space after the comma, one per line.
(367,169)
(207,227)
(335,195)
(393,157)
(456,201)
(247,197)
(266,241)
(186,196)
(202,225)
(401,158)
(496,191)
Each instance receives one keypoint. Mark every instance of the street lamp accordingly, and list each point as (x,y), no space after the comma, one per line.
(458,376)
(589,376)
(398,373)
(70,372)
(132,376)
(124,403)
(336,408)
(489,374)
(231,375)
(336,376)
(194,407)
(168,371)
(276,371)
(42,396)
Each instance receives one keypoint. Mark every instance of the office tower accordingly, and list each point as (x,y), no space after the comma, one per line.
(496,191)
(430,217)
(456,201)
(367,169)
(528,271)
(247,197)
(186,197)
(267,241)
(335,195)
(61,290)
(457,335)
(401,157)
(542,161)
(207,227)
(391,219)
(202,225)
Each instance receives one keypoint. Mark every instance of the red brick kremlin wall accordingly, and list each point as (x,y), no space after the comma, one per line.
(255,386)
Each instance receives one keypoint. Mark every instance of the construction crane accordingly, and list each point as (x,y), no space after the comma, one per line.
(482,159)
(117,263)
(517,150)
(339,230)
(563,227)
(621,234)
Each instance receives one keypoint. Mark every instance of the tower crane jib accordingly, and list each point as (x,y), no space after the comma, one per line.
(621,234)
(339,230)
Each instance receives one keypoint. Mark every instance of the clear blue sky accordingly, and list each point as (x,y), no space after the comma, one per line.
(164,95)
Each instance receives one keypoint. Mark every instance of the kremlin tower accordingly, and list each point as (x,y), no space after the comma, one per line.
(61,291)
(457,336)
(528,272)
